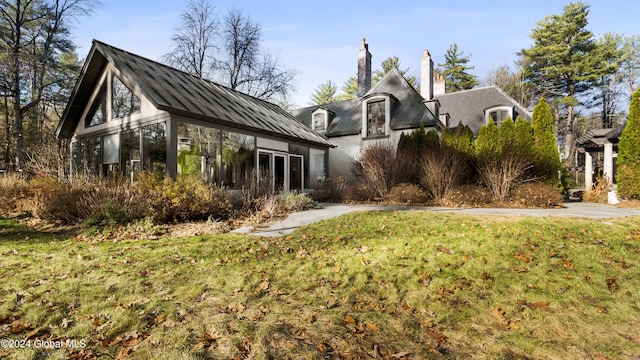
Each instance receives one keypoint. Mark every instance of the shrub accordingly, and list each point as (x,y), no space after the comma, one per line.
(628,177)
(73,202)
(536,194)
(359,192)
(599,193)
(441,169)
(292,202)
(375,167)
(407,194)
(629,153)
(110,213)
(467,196)
(329,190)
(546,154)
(187,198)
(12,191)
(501,173)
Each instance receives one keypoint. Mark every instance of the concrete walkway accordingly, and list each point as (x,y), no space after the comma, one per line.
(328,211)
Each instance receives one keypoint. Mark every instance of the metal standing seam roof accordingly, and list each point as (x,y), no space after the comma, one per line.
(180,93)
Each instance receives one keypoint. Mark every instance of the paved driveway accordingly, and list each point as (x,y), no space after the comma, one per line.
(328,211)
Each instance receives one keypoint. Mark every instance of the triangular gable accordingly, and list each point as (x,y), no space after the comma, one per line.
(180,93)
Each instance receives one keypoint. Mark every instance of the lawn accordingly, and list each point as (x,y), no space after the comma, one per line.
(392,285)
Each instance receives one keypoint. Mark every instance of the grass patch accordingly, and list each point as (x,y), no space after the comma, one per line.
(380,284)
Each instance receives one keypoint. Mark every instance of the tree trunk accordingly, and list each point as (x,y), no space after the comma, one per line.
(569,138)
(17,111)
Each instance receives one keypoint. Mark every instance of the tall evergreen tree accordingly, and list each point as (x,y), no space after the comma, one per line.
(455,70)
(546,154)
(324,94)
(563,63)
(628,174)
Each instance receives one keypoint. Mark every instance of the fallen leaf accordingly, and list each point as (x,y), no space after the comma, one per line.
(542,305)
(264,285)
(436,336)
(349,319)
(372,327)
(65,323)
(400,354)
(567,264)
(612,284)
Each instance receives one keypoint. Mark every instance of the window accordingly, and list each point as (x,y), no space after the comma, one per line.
(98,114)
(198,150)
(319,121)
(238,152)
(376,118)
(123,101)
(154,148)
(130,153)
(498,115)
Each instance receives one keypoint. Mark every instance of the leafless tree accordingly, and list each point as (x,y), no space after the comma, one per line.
(228,51)
(34,35)
(194,42)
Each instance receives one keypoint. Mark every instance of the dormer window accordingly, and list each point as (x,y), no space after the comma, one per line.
(498,114)
(376,118)
(319,120)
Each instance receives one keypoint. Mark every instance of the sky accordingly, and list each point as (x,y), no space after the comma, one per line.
(320,40)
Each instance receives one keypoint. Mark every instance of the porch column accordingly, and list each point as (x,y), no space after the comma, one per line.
(608,163)
(588,171)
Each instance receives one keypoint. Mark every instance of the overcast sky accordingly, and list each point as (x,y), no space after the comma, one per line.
(320,40)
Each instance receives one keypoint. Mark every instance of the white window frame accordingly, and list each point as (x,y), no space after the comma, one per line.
(387,115)
(487,114)
(325,114)
(272,161)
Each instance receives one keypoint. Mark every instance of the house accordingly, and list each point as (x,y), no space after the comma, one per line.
(393,107)
(129,114)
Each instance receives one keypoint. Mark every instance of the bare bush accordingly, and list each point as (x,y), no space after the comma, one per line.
(467,195)
(407,194)
(501,173)
(536,194)
(442,169)
(329,190)
(359,192)
(375,167)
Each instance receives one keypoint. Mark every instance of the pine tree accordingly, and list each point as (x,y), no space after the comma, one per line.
(628,174)
(455,71)
(546,154)
(324,94)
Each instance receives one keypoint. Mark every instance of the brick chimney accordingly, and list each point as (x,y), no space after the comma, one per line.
(364,69)
(426,76)
(439,87)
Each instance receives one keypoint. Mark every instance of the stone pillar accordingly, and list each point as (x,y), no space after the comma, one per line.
(608,163)
(588,171)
